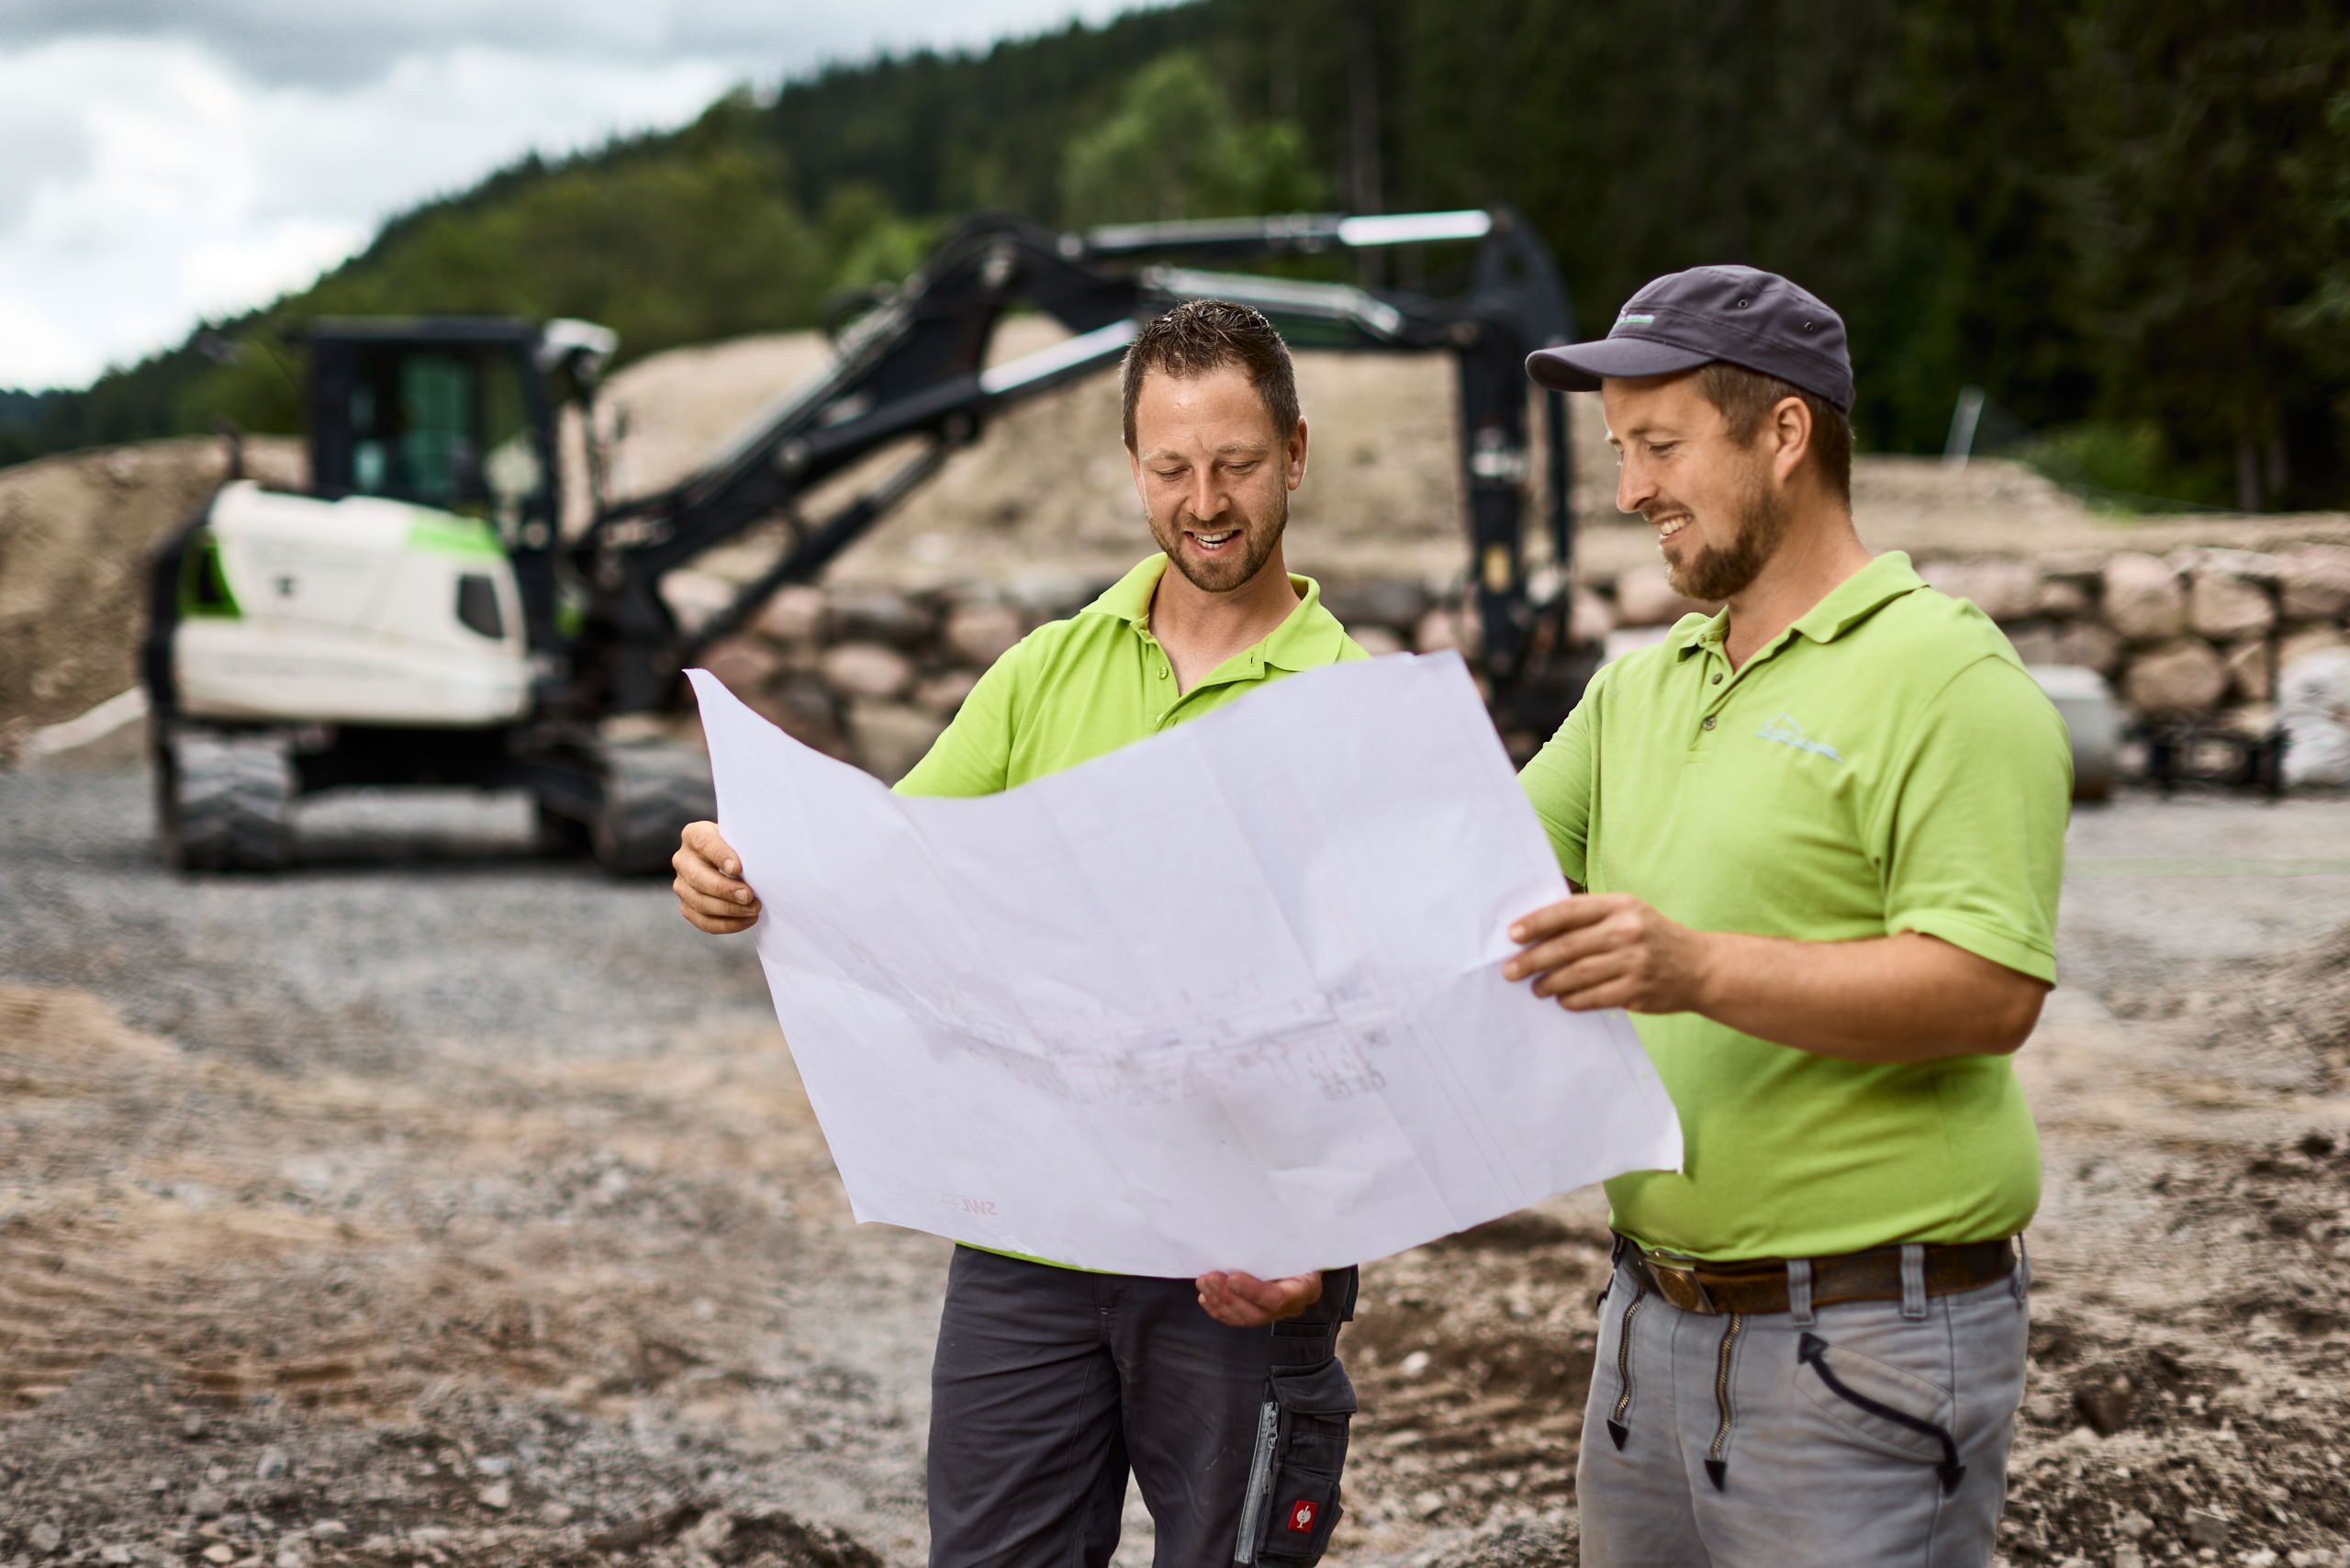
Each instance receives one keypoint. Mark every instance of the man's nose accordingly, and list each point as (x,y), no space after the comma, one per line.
(1633,491)
(1207,496)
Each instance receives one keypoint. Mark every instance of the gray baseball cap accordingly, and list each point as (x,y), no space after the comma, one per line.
(1685,319)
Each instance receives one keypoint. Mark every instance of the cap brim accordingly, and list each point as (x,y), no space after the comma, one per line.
(1578,367)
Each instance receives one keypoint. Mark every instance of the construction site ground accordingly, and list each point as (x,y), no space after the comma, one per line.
(431,1202)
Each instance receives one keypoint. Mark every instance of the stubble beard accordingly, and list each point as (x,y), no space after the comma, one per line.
(1225,574)
(1713,575)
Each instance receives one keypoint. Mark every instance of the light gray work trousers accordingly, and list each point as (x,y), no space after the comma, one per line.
(1861,1434)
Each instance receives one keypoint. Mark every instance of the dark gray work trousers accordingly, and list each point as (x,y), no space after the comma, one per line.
(1051,1384)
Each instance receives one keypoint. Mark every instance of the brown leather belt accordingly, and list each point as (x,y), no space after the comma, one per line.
(1760,1285)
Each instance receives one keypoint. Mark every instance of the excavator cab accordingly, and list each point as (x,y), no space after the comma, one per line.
(458,414)
(395,622)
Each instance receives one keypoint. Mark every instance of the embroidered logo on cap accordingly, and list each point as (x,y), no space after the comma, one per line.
(1629,319)
(1301,1516)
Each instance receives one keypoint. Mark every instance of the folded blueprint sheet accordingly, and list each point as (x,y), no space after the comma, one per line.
(1229,998)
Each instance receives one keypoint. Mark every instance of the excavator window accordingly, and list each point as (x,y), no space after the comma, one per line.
(427,425)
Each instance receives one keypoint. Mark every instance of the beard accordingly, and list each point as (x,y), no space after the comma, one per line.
(1222,574)
(1712,575)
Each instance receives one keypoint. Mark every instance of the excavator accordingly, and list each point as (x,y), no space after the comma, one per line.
(420,615)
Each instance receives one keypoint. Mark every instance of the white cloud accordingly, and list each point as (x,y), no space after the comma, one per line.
(155,172)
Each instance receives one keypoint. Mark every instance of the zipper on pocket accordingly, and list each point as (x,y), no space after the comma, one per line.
(1717,1454)
(1260,1479)
(1617,1428)
(1811,1347)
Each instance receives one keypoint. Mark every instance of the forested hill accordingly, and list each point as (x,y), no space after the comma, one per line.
(2130,224)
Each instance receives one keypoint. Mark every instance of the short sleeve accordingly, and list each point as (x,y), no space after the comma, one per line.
(973,754)
(1970,834)
(1562,779)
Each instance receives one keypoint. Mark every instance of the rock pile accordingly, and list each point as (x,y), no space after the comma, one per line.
(873,674)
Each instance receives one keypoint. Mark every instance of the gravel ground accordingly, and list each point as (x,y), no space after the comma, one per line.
(435,1204)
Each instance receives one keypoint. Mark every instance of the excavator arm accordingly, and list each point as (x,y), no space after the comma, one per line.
(914,367)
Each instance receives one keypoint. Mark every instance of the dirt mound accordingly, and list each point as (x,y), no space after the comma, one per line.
(75,532)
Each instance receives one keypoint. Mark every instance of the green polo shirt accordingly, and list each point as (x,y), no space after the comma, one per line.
(1072,691)
(1885,765)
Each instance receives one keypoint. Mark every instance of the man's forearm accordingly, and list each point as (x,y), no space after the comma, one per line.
(1890,999)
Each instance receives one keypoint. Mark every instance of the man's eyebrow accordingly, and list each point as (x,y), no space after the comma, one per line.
(1167,454)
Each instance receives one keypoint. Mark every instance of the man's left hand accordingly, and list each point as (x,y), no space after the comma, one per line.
(1244,1300)
(1609,950)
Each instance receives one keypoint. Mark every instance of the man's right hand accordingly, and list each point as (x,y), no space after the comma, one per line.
(711,894)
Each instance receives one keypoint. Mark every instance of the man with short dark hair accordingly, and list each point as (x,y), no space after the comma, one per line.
(1821,834)
(1224,1395)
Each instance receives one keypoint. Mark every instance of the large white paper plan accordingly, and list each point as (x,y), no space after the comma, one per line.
(1227,998)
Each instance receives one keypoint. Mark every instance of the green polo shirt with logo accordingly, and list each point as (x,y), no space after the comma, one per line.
(1884,764)
(1074,690)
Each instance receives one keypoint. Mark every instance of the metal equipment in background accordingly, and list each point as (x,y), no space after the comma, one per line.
(418,617)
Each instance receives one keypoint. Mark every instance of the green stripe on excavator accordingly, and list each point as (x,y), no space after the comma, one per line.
(439,533)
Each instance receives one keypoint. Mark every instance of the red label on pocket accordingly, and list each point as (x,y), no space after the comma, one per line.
(1301,1516)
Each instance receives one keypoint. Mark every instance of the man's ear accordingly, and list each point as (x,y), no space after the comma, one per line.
(1294,457)
(1790,436)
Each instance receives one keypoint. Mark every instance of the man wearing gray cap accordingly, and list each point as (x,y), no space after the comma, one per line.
(1818,837)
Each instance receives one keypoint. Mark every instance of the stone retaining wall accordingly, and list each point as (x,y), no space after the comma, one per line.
(872,674)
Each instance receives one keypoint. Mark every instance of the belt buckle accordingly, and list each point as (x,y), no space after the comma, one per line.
(1678,1283)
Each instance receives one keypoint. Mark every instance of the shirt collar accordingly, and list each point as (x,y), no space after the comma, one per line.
(1847,604)
(1307,638)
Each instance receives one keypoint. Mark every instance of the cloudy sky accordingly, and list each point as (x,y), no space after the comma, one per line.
(161,160)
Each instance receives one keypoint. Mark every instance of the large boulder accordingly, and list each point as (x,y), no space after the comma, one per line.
(879,615)
(743,665)
(2295,646)
(942,694)
(2063,598)
(981,633)
(2225,604)
(2250,669)
(2314,582)
(2142,599)
(2181,678)
(868,671)
(2313,702)
(794,616)
(804,708)
(2000,587)
(2091,644)
(891,737)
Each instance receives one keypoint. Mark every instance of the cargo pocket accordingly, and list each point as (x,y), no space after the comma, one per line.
(1293,1503)
(1885,1408)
